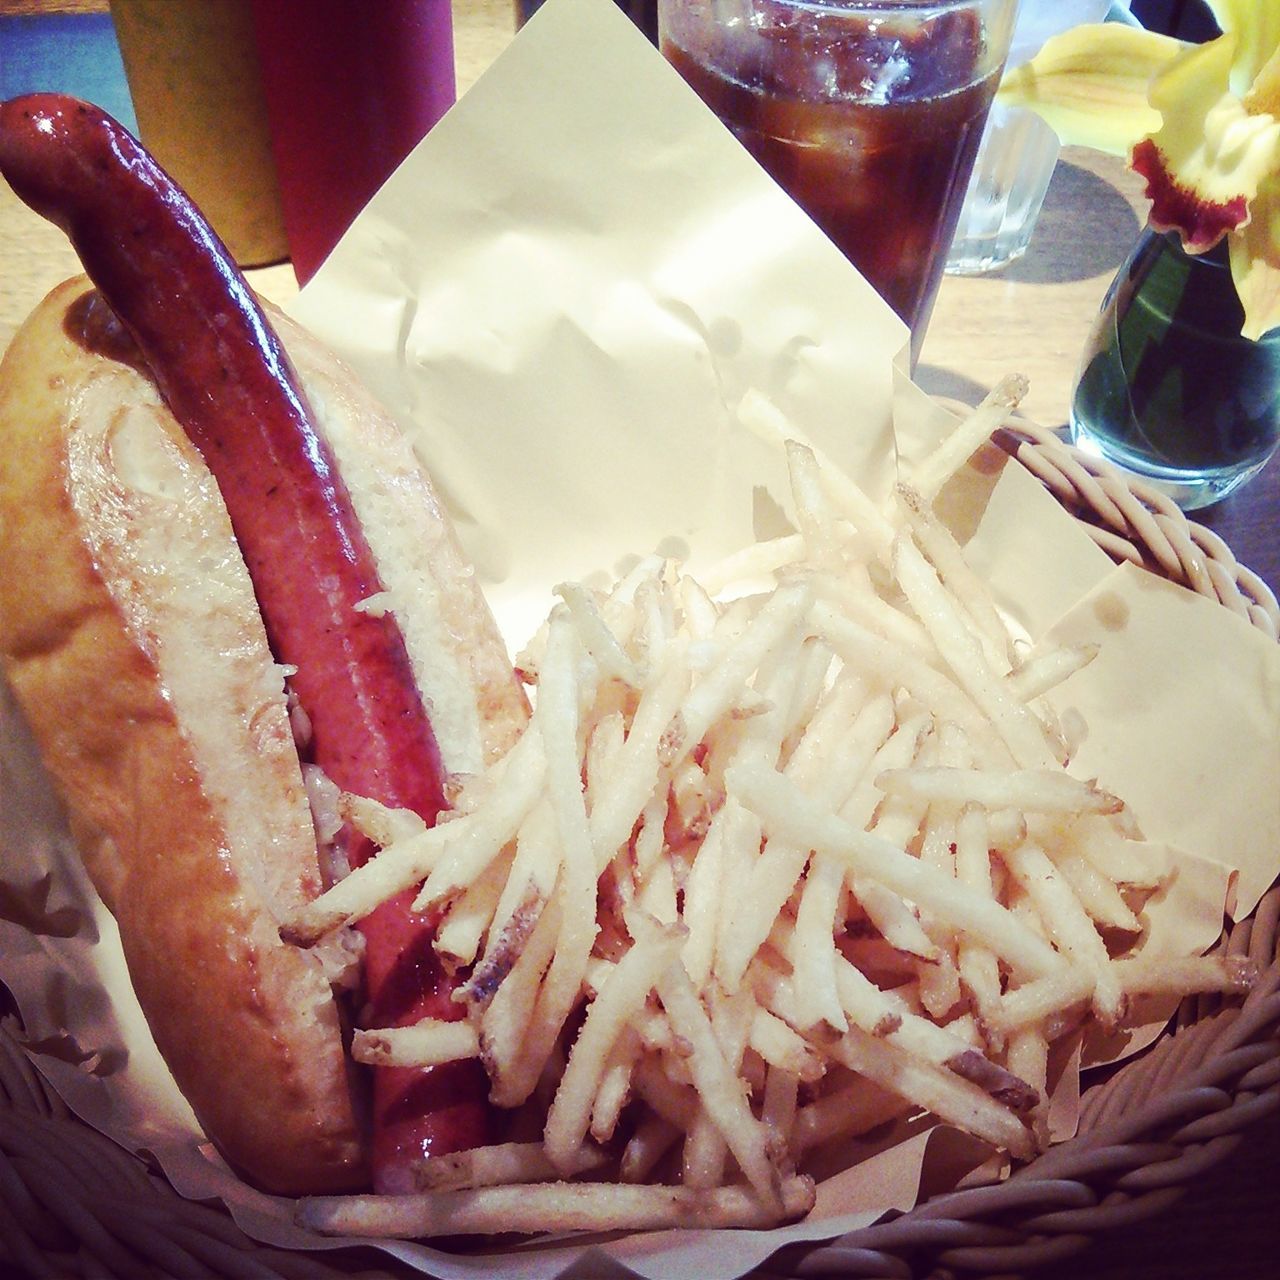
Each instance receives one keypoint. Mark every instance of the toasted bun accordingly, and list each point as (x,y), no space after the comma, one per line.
(130,635)
(476,705)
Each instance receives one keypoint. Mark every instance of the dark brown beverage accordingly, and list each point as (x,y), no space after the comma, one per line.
(870,124)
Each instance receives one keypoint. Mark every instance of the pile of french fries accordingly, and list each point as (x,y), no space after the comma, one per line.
(782,856)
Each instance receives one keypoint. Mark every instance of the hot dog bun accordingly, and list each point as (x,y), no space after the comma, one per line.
(133,643)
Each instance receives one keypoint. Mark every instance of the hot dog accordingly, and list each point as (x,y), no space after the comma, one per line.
(148,418)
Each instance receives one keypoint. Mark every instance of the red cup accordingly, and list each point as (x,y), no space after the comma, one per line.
(351,88)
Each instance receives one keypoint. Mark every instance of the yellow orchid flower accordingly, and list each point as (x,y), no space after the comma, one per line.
(1201,123)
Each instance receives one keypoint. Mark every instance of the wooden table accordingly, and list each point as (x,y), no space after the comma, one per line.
(1031,318)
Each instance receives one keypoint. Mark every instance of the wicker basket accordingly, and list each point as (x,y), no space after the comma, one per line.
(74,1204)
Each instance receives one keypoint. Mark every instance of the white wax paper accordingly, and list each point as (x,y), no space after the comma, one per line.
(575,303)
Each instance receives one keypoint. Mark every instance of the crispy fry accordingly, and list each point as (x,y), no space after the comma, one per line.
(615,1084)
(845,1113)
(1017,727)
(505,1017)
(557,718)
(971,432)
(972,595)
(784,809)
(1044,671)
(554,1206)
(474,841)
(1098,895)
(425,1044)
(956,1100)
(503,1164)
(470,914)
(762,875)
(381,824)
(780,1105)
(1067,923)
(874,656)
(717,691)
(653,1138)
(625,991)
(400,866)
(979,970)
(637,771)
(501,952)
(718,1086)
(871,523)
(1186,975)
(1026,790)
(595,636)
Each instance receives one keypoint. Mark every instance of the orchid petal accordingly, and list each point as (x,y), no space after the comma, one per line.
(1264,94)
(1205,164)
(1256,25)
(1255,262)
(1090,84)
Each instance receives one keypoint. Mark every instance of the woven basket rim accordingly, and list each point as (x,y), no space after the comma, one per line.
(1125,1164)
(1132,520)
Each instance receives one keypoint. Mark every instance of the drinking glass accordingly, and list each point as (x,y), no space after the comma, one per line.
(197,92)
(1011,176)
(867,112)
(350,89)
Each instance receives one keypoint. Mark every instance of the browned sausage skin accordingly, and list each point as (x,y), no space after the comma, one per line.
(222,371)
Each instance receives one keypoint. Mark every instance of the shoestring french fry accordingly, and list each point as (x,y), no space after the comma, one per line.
(502,1164)
(765,872)
(872,526)
(1027,790)
(468,916)
(555,1206)
(845,1111)
(1041,672)
(835,751)
(1097,895)
(1015,724)
(822,543)
(973,431)
(860,601)
(652,1140)
(878,658)
(784,809)
(423,1044)
(626,990)
(614,1091)
(779,1104)
(1068,925)
(969,591)
(934,1089)
(467,852)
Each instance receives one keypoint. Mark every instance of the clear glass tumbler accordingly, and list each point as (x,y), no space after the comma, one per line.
(1011,176)
(867,113)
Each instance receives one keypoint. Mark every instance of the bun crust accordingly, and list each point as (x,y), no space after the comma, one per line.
(130,634)
(475,703)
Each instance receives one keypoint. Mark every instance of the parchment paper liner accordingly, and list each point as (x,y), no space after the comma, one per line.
(566,294)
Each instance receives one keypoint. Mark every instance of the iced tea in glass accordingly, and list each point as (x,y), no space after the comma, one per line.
(868,114)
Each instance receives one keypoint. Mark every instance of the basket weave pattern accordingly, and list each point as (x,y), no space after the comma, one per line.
(72,1204)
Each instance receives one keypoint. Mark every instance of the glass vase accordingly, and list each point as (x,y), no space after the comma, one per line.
(1169,390)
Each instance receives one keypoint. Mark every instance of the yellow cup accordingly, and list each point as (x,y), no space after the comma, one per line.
(192,68)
